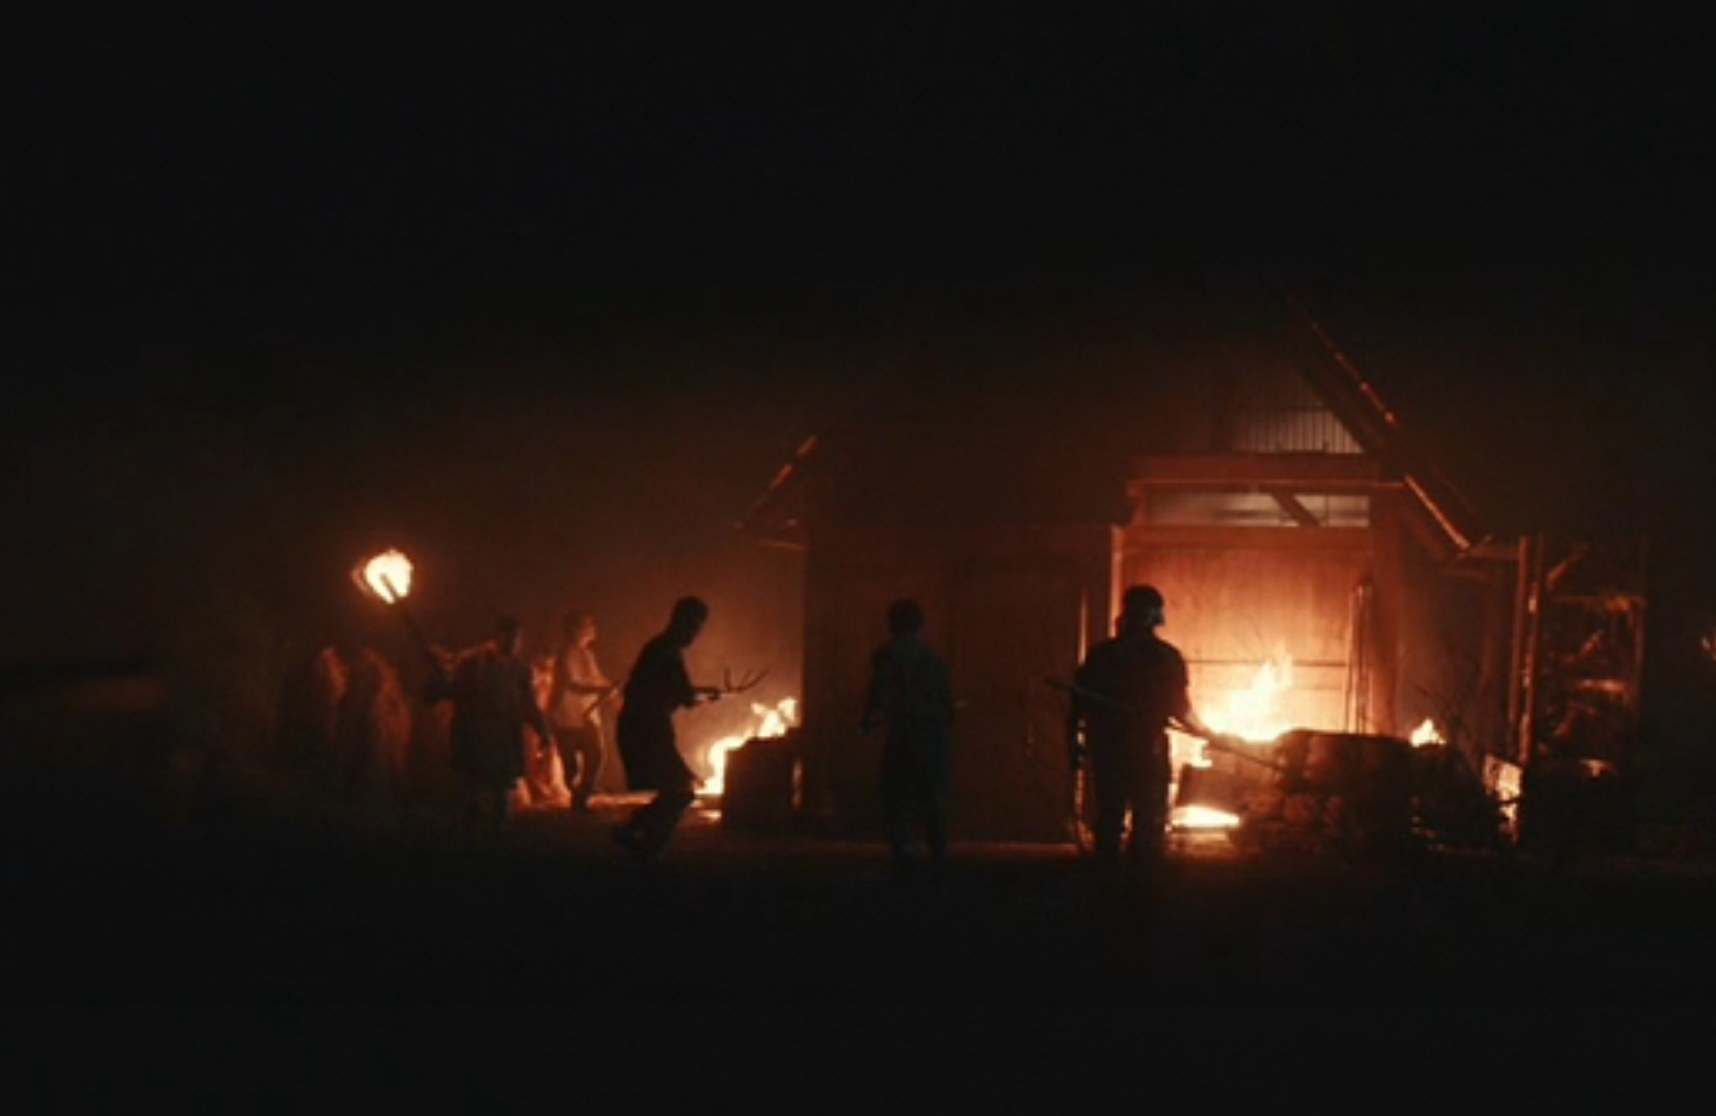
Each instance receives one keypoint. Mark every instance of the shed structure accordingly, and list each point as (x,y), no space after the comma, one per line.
(1016,478)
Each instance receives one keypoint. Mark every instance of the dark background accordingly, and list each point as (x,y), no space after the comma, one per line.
(547,302)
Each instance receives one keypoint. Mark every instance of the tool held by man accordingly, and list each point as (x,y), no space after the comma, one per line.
(1221,742)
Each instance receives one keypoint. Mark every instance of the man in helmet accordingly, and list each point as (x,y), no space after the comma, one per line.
(1125,693)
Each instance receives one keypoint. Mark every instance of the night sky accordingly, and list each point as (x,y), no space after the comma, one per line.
(550,300)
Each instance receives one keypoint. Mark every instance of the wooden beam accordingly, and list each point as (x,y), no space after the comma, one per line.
(1136,490)
(1291,505)
(1145,538)
(1305,472)
(767,512)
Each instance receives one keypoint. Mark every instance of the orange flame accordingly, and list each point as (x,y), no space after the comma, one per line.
(1203,817)
(1253,714)
(1426,733)
(387,575)
(768,722)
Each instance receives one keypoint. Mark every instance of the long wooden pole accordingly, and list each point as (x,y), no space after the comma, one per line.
(416,630)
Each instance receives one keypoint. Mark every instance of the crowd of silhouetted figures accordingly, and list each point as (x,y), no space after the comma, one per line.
(118,746)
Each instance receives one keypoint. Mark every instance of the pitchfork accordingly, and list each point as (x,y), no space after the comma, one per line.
(750,679)
(728,686)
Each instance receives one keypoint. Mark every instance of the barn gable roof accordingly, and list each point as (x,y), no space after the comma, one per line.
(1355,422)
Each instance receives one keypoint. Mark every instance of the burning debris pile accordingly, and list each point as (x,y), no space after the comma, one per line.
(1452,809)
(1272,784)
(756,773)
(1316,791)
(1356,794)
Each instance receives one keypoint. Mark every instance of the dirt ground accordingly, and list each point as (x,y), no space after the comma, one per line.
(234,910)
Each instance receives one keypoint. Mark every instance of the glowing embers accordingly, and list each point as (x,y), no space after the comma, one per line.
(386,575)
(1202,817)
(768,722)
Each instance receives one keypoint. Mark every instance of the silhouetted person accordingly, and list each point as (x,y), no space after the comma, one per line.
(494,701)
(657,688)
(576,694)
(544,782)
(1125,693)
(374,735)
(309,712)
(910,696)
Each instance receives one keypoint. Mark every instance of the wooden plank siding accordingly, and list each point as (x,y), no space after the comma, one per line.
(1008,607)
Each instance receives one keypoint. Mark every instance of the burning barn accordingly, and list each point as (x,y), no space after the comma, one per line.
(1323,576)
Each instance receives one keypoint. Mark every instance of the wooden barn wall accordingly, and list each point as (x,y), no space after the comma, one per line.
(1456,641)
(1008,608)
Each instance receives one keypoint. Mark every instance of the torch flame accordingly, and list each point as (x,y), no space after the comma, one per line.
(387,575)
(769,722)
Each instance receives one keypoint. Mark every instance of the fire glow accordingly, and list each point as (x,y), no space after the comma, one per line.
(767,723)
(387,575)
(1253,714)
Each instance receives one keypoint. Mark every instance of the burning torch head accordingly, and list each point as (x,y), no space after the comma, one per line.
(386,576)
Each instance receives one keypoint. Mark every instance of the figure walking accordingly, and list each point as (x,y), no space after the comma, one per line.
(911,697)
(657,688)
(576,696)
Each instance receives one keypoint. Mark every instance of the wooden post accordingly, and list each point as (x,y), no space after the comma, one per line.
(1530,631)
(1387,526)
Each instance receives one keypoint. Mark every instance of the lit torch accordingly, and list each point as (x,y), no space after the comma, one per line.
(387,577)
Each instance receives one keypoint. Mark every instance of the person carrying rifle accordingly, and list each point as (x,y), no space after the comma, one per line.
(1125,694)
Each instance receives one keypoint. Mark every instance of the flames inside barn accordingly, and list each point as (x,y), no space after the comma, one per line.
(1341,605)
